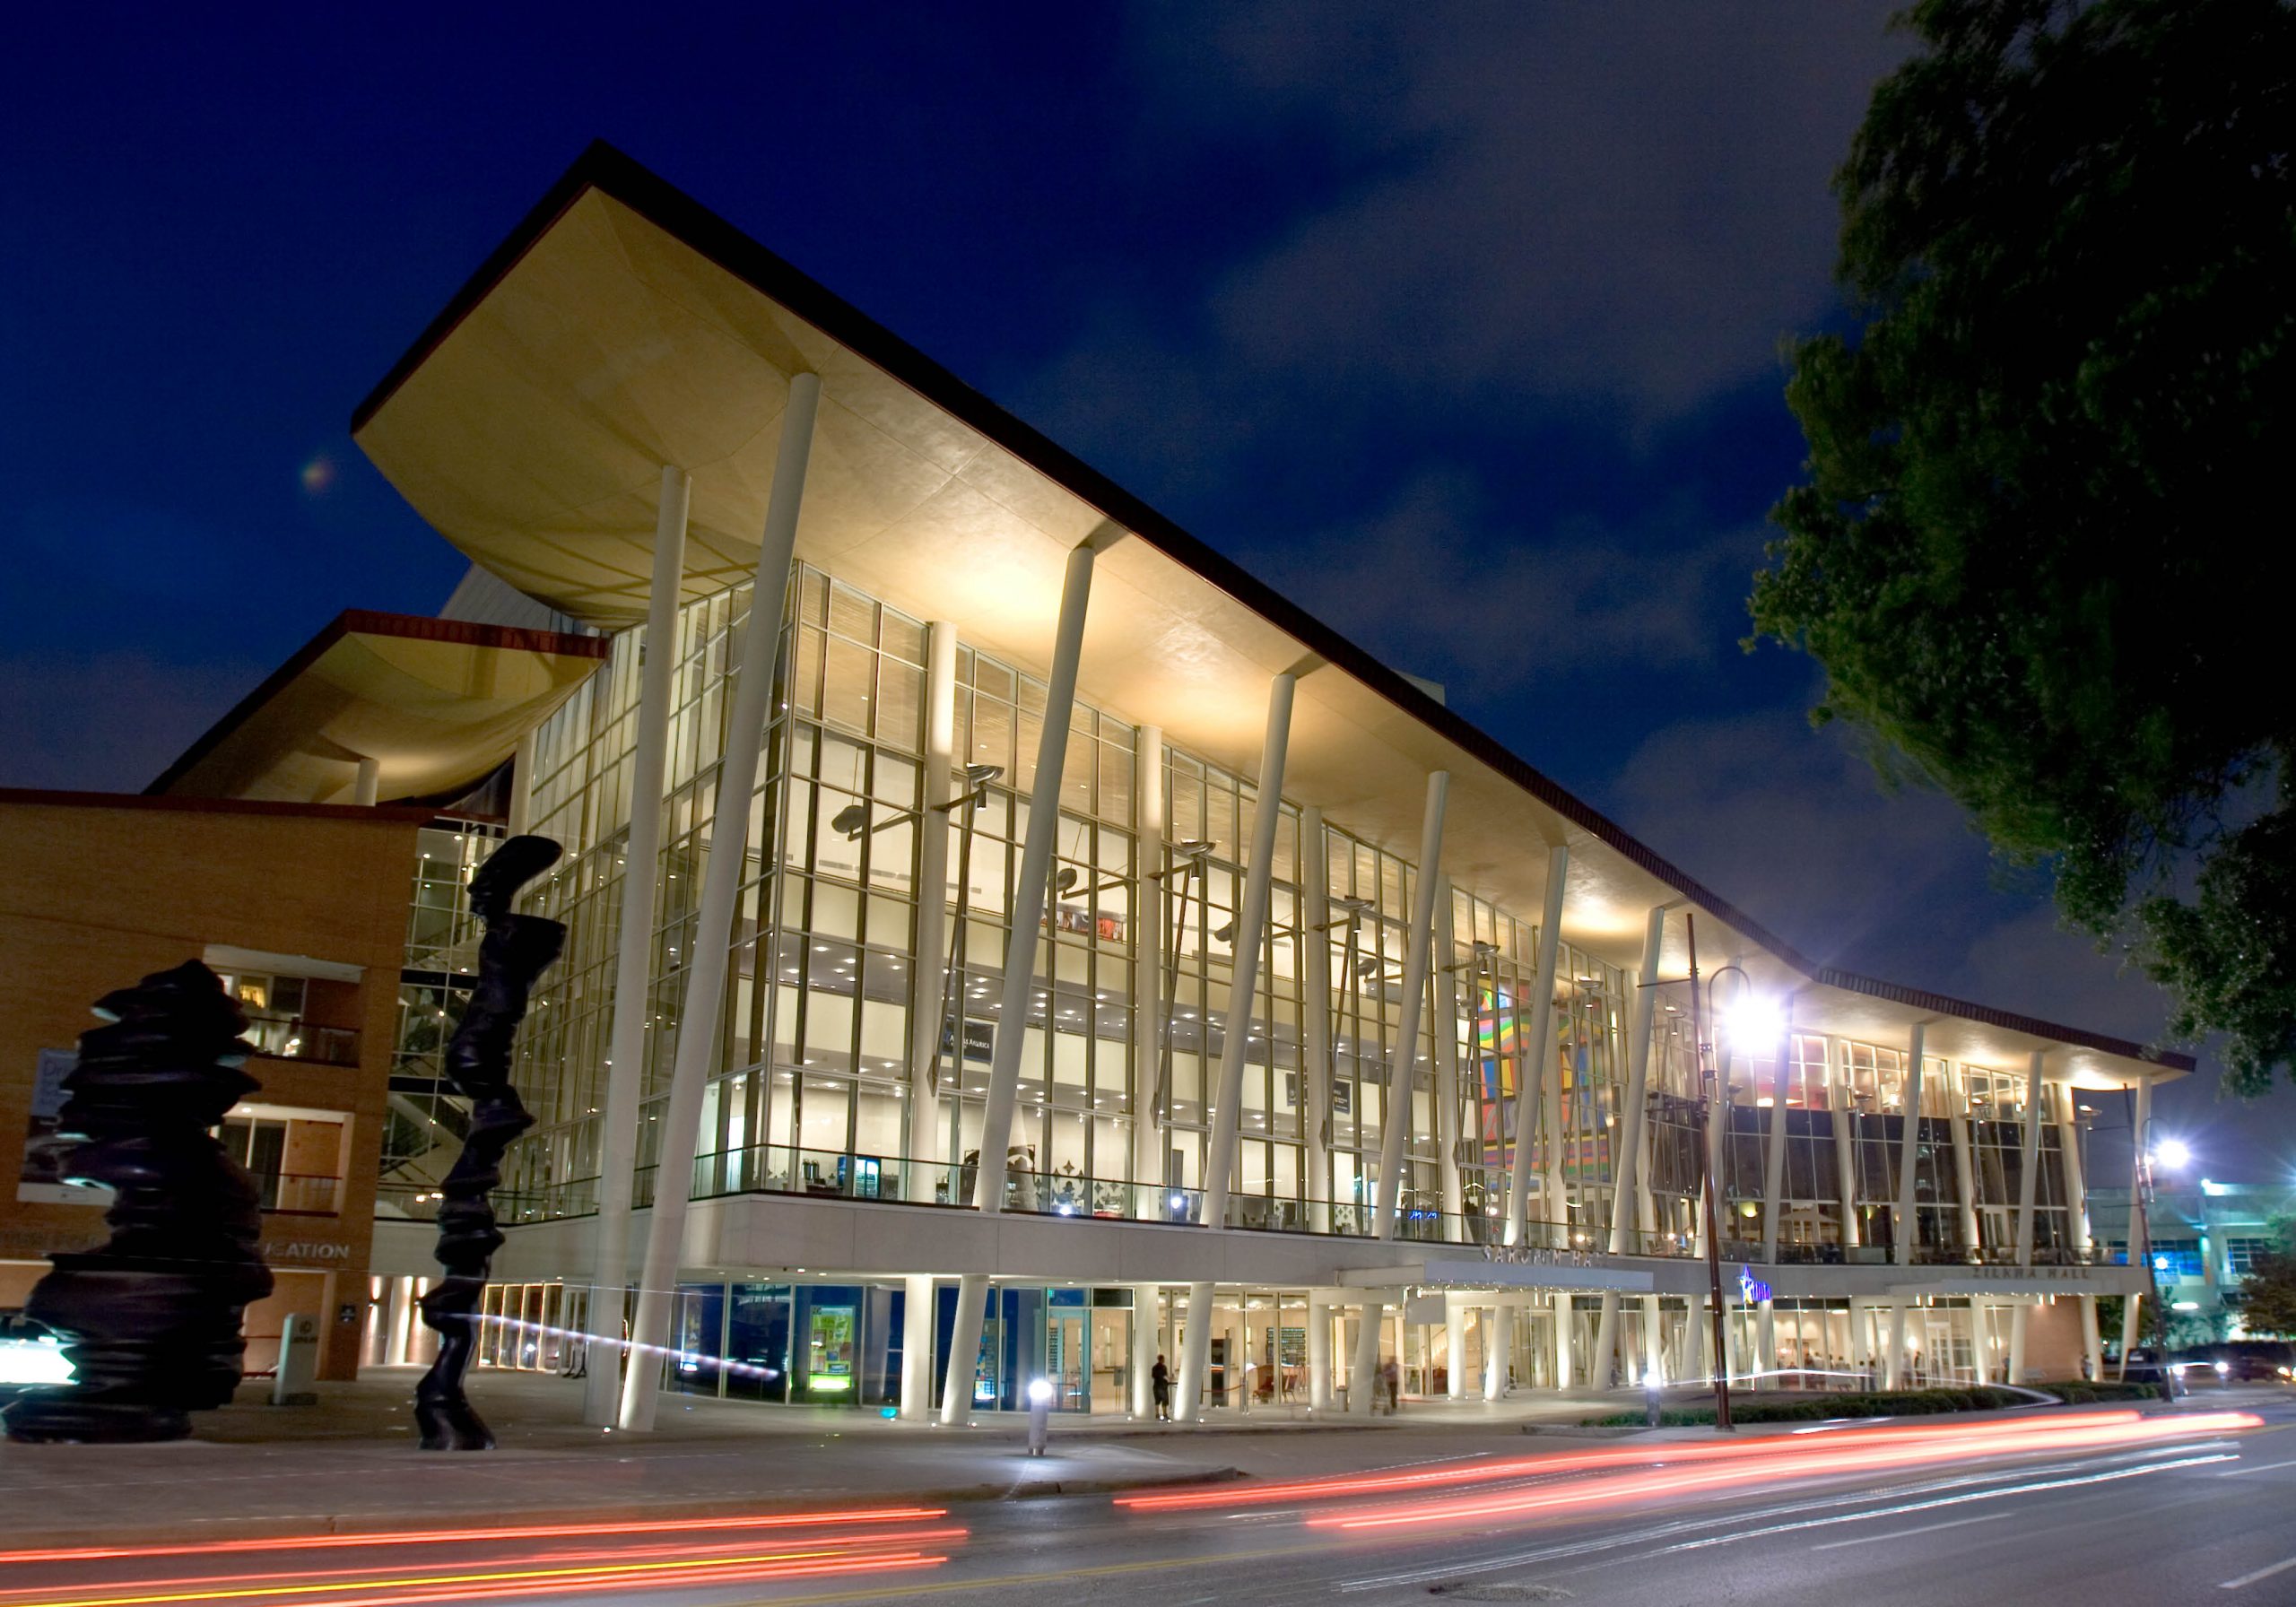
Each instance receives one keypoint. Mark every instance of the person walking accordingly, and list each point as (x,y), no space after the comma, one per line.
(1391,1380)
(1160,1385)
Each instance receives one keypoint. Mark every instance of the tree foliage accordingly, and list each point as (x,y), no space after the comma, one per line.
(2049,472)
(2269,1290)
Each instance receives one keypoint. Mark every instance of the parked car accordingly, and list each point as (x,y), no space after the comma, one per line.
(2149,1366)
(29,1355)
(2252,1370)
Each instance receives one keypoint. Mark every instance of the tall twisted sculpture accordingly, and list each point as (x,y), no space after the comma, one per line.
(151,1319)
(515,950)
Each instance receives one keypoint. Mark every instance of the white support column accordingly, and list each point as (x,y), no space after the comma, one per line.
(1250,939)
(1149,875)
(367,785)
(1395,1123)
(1320,1315)
(1456,1307)
(2139,1237)
(1497,1348)
(1446,979)
(2092,1344)
(2064,1102)
(928,991)
(1363,1374)
(1893,1362)
(1145,1298)
(641,871)
(1765,1365)
(1965,1163)
(522,787)
(1033,877)
(1981,1339)
(1718,1117)
(1626,1143)
(1531,1078)
(1845,1150)
(964,1347)
(916,1327)
(1565,1341)
(1315,1025)
(722,880)
(702,1013)
(1905,1230)
(1773,1172)
(2028,1196)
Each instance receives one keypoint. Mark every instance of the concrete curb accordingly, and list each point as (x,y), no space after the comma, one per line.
(209,1531)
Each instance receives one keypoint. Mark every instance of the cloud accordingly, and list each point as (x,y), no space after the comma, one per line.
(1620,209)
(1436,583)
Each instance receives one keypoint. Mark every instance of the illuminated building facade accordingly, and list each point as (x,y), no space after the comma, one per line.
(1032,942)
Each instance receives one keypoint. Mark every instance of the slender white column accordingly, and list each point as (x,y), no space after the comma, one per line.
(1766,1345)
(1773,1174)
(1149,936)
(367,785)
(1250,941)
(1982,1340)
(1456,1309)
(1964,1162)
(1565,1342)
(1145,1298)
(1250,930)
(1320,1315)
(1395,1122)
(1531,1077)
(1446,977)
(522,787)
(1894,1363)
(1497,1348)
(2092,1344)
(1192,1383)
(1363,1376)
(641,871)
(1626,1140)
(2139,1237)
(2076,1181)
(1717,1116)
(1909,1150)
(1845,1150)
(964,1346)
(700,1016)
(917,1348)
(2029,1174)
(1021,952)
(928,975)
(1315,1025)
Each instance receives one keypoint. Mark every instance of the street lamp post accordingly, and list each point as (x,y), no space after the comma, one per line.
(1713,1212)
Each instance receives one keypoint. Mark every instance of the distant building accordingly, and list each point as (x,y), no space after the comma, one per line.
(2201,1237)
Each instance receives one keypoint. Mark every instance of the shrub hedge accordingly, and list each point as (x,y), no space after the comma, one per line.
(1908,1402)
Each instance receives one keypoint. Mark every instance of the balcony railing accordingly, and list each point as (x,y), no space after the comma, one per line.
(291,1038)
(419,1202)
(295,1194)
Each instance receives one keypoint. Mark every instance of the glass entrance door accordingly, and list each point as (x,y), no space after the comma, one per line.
(1067,1363)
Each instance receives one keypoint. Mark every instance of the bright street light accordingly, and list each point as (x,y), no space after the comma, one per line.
(1754,1022)
(2173,1153)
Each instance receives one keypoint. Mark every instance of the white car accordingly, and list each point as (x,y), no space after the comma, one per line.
(29,1354)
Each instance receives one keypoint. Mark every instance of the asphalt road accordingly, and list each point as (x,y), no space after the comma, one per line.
(2087,1510)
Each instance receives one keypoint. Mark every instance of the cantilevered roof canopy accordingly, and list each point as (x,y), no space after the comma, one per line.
(623,326)
(438,704)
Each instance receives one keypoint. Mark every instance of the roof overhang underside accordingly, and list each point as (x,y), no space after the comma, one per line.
(624,327)
(436,704)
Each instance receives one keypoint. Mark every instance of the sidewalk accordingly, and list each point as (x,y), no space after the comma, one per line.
(352,1462)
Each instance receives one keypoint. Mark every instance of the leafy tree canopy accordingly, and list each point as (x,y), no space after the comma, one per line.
(2270,1285)
(2050,466)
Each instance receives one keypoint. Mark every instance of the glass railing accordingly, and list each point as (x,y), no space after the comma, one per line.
(419,1202)
(292,1194)
(291,1038)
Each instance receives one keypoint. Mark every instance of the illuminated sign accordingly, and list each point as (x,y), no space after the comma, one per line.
(1751,1289)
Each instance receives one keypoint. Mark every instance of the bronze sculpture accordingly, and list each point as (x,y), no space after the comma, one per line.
(151,1318)
(515,950)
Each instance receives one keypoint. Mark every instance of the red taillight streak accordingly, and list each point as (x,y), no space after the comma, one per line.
(1823,1458)
(817,1545)
(1480,1473)
(452,1536)
(899,1562)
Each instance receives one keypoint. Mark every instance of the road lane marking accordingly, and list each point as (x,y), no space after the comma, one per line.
(2261,1468)
(2262,1573)
(1868,1540)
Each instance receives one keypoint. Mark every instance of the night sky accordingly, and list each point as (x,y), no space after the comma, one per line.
(1460,326)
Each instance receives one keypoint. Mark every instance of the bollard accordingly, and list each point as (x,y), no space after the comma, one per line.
(1650,1399)
(1039,1414)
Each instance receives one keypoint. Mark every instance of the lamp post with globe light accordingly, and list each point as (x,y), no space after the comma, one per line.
(2176,1155)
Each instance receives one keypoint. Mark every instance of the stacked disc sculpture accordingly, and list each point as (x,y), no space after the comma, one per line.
(513,950)
(151,1318)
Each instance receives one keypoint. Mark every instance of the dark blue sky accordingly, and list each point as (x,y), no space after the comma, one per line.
(1459,325)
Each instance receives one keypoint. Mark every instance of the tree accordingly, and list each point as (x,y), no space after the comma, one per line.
(2269,1307)
(2049,463)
